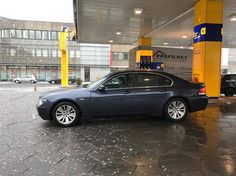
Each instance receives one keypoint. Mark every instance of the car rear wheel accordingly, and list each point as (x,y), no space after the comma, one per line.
(17,81)
(32,82)
(66,114)
(176,109)
(229,92)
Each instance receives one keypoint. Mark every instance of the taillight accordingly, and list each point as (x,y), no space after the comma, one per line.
(202,91)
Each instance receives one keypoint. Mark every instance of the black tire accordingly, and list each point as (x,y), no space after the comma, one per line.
(17,81)
(229,92)
(172,114)
(62,122)
(32,82)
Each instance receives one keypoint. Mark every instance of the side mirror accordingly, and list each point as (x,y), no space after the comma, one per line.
(101,88)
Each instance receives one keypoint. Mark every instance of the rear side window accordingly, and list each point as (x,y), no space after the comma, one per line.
(233,77)
(164,81)
(145,80)
(226,77)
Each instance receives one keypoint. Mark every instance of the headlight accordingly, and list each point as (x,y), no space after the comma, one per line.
(41,101)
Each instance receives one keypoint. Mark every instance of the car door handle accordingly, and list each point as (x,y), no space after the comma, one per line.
(126,92)
(163,90)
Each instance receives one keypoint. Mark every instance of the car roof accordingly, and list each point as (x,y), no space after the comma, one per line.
(148,71)
(139,71)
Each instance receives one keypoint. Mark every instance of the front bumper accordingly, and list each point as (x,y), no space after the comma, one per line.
(198,103)
(44,112)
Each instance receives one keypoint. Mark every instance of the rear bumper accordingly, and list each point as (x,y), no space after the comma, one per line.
(198,103)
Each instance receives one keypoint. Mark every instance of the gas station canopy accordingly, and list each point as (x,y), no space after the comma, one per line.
(167,22)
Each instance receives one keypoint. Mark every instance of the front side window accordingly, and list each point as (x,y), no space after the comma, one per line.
(121,81)
(145,80)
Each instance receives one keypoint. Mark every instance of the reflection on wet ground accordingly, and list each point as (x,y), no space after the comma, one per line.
(203,144)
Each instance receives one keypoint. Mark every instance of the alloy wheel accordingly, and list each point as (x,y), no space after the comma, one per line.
(176,110)
(65,114)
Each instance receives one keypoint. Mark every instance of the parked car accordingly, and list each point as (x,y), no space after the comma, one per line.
(125,93)
(28,79)
(228,85)
(71,80)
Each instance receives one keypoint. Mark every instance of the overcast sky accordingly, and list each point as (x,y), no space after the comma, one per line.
(38,10)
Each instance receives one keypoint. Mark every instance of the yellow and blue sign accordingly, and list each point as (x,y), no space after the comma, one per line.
(208,32)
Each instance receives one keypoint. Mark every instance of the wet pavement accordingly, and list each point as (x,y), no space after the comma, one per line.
(203,144)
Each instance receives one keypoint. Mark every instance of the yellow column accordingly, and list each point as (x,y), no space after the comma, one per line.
(145,41)
(144,53)
(64,59)
(207,45)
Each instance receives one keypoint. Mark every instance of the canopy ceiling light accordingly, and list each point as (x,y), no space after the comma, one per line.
(138,11)
(118,33)
(232,17)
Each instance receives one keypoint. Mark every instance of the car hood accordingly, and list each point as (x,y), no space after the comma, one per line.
(64,92)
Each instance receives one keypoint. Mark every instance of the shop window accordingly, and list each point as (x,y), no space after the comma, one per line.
(38,35)
(77,54)
(12,33)
(32,34)
(59,53)
(5,33)
(72,53)
(54,53)
(19,33)
(33,52)
(45,35)
(45,53)
(38,52)
(120,56)
(13,52)
(54,35)
(25,34)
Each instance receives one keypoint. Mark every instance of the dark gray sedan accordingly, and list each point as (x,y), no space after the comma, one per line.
(125,93)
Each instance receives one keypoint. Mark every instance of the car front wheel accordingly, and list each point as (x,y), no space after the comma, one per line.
(17,81)
(66,114)
(176,109)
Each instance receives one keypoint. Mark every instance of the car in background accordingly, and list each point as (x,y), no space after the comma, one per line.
(125,93)
(228,85)
(28,79)
(71,80)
